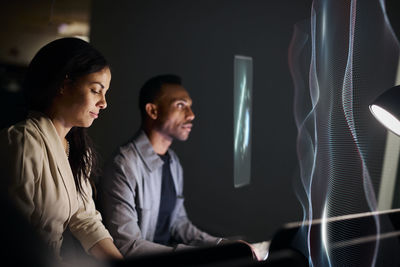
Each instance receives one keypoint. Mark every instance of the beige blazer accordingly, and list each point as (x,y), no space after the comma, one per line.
(40,181)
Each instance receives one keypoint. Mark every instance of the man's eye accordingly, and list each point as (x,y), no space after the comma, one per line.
(180,105)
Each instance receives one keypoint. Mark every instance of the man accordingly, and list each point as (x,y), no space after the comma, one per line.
(141,190)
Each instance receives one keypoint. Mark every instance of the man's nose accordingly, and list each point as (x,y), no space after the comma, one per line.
(190,115)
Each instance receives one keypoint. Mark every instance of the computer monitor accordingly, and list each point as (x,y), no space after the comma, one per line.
(242,114)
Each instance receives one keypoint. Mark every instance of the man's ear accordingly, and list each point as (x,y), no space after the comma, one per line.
(151,110)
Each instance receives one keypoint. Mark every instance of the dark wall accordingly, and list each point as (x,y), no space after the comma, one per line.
(198,40)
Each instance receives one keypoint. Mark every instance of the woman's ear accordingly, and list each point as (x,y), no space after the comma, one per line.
(151,110)
(67,82)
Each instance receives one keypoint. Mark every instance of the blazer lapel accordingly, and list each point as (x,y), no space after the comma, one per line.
(56,147)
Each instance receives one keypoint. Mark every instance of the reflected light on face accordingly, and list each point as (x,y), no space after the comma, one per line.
(84,98)
(175,113)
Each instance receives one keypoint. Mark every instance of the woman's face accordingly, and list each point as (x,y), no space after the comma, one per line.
(82,99)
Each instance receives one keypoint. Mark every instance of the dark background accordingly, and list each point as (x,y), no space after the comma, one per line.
(198,40)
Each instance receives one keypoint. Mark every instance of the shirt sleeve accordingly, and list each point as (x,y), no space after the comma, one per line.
(86,224)
(118,193)
(21,165)
(182,229)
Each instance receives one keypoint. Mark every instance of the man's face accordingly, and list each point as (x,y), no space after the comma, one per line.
(174,112)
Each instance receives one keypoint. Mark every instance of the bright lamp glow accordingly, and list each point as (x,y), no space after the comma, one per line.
(386,118)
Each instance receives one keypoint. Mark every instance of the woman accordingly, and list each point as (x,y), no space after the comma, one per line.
(48,158)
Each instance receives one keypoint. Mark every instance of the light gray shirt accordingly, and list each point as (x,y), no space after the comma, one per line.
(130,192)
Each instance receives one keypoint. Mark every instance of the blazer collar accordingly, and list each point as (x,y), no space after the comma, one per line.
(48,131)
(146,151)
(46,127)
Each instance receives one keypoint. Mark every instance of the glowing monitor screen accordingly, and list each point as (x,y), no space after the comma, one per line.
(242,98)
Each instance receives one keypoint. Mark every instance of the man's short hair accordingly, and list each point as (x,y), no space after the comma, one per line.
(151,89)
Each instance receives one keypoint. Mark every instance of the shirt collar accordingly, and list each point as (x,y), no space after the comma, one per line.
(146,151)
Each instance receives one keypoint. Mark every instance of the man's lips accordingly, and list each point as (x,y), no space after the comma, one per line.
(94,114)
(187,126)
